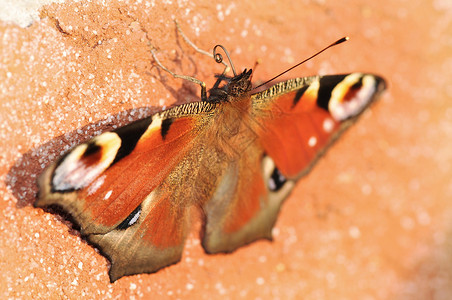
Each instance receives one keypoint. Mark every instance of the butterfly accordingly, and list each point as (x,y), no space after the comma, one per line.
(235,156)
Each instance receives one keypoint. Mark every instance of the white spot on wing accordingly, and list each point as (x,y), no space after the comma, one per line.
(312,141)
(108,194)
(328,125)
(135,218)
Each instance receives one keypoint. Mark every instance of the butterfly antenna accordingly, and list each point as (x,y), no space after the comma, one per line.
(333,44)
(219,58)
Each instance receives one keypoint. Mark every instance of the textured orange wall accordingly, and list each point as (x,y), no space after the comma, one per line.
(372,221)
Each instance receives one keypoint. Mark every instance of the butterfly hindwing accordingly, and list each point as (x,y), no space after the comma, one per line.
(243,208)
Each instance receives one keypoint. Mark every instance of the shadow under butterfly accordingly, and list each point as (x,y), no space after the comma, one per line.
(235,155)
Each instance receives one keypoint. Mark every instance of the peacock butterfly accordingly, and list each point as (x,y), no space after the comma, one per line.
(235,155)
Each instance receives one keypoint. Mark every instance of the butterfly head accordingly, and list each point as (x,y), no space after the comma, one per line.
(240,84)
(235,87)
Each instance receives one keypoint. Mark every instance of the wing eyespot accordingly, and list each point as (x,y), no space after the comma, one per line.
(273,178)
(84,163)
(276,180)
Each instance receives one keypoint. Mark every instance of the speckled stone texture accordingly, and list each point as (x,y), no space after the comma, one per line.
(372,221)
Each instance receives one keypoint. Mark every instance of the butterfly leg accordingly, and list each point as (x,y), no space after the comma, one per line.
(185,77)
(218,58)
(197,49)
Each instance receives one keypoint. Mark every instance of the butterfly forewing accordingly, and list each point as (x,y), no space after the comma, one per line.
(301,117)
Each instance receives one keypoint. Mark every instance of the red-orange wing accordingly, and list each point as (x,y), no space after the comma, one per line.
(119,187)
(301,117)
(292,123)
